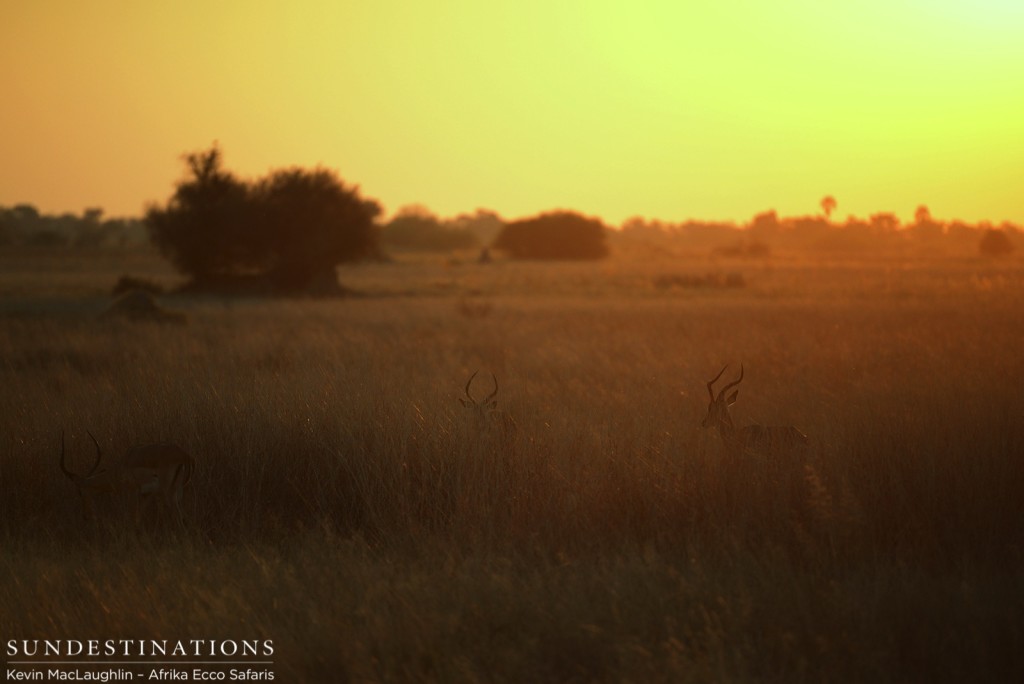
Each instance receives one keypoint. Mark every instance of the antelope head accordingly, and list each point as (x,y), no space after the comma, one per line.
(718,408)
(488,420)
(760,439)
(90,483)
(487,404)
(147,474)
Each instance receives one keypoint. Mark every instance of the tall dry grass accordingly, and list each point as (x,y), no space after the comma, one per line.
(346,506)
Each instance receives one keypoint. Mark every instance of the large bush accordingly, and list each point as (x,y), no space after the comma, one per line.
(308,223)
(205,228)
(286,232)
(556,235)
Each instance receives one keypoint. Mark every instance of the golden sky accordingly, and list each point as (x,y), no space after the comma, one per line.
(667,109)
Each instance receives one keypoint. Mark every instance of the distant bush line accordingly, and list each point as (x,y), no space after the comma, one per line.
(23,224)
(288,232)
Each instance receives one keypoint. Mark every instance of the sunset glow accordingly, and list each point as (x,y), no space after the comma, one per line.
(655,108)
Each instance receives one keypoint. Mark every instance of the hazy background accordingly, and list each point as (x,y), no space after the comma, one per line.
(613,108)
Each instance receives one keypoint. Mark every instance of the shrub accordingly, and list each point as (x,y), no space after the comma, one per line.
(995,243)
(556,235)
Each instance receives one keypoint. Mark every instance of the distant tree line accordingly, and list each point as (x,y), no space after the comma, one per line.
(23,224)
(560,235)
(416,228)
(880,232)
(289,230)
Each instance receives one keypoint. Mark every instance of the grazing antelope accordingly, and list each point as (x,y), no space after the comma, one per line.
(148,473)
(486,410)
(758,439)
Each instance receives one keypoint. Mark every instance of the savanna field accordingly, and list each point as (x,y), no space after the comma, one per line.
(348,507)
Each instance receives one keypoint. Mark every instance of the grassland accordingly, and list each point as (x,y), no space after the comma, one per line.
(347,507)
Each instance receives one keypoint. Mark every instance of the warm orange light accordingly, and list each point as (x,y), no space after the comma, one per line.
(662,109)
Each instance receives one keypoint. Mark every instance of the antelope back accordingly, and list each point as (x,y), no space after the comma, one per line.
(771,438)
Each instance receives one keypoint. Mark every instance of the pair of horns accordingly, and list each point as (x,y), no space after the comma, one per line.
(711,391)
(64,468)
(489,396)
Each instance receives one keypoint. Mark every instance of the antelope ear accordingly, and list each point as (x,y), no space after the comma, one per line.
(732,398)
(464,402)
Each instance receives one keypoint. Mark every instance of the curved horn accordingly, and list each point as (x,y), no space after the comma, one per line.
(468,395)
(63,467)
(711,392)
(99,454)
(731,384)
(494,393)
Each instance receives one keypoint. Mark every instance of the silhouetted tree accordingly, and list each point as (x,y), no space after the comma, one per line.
(884,222)
(25,225)
(205,229)
(308,223)
(25,214)
(555,235)
(287,231)
(416,228)
(91,231)
(995,242)
(922,214)
(828,205)
(483,223)
(924,226)
(765,225)
(8,227)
